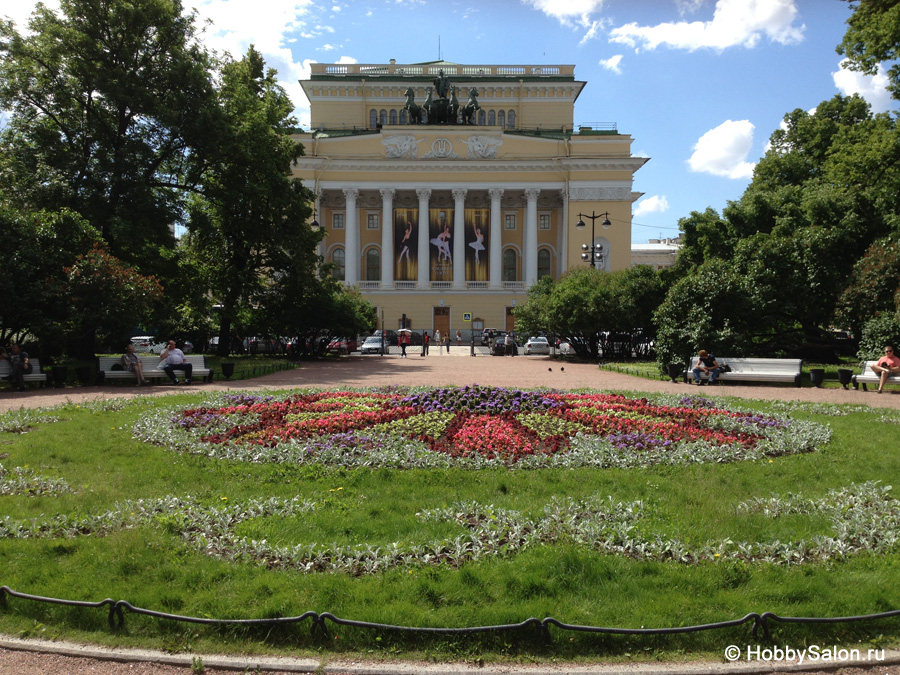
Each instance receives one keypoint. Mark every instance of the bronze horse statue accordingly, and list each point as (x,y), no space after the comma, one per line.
(413,111)
(453,108)
(468,111)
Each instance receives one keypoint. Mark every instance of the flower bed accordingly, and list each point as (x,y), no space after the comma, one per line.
(473,427)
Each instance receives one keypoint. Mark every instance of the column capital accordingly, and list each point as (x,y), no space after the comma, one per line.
(423,193)
(495,193)
(459,193)
(351,193)
(532,193)
(387,194)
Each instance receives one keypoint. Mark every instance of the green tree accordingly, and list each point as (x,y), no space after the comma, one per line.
(248,229)
(110,115)
(873,37)
(874,286)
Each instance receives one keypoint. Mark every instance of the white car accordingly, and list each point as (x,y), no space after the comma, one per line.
(537,345)
(148,344)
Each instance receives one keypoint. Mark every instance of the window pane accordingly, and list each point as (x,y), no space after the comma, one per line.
(509,265)
(373,265)
(372,221)
(509,221)
(337,221)
(339,267)
(543,263)
(544,221)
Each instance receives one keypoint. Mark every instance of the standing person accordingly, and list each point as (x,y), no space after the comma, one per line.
(437,340)
(175,360)
(447,342)
(509,344)
(424,343)
(459,338)
(19,364)
(706,363)
(132,363)
(887,365)
(403,340)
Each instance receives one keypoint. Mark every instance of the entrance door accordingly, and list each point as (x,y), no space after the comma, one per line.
(510,320)
(442,320)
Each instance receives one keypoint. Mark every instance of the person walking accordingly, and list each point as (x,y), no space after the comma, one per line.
(425,343)
(437,340)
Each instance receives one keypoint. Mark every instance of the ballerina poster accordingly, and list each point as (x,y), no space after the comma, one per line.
(440,244)
(406,242)
(477,226)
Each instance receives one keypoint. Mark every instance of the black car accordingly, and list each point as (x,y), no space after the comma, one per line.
(499,346)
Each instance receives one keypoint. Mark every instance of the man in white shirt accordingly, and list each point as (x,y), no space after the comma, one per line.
(175,360)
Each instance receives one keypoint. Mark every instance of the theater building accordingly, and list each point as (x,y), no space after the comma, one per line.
(447,190)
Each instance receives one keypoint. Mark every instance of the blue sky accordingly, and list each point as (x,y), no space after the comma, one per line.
(699,84)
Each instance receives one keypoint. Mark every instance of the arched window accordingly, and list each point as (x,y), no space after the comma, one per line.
(393,116)
(383,117)
(403,118)
(543,263)
(373,118)
(492,118)
(510,265)
(511,119)
(340,268)
(481,117)
(373,265)
(501,118)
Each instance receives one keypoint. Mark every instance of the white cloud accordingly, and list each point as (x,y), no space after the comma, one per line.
(573,13)
(654,204)
(612,64)
(873,88)
(723,151)
(734,23)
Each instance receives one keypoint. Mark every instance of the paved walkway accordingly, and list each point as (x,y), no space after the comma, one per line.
(458,368)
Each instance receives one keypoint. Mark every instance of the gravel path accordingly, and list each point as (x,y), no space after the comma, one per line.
(457,368)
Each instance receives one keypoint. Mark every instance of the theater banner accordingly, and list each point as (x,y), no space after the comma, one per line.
(440,248)
(477,226)
(406,244)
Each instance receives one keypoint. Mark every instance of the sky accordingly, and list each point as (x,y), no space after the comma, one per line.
(699,85)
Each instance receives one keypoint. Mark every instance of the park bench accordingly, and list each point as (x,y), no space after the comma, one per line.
(754,370)
(868,377)
(152,369)
(35,376)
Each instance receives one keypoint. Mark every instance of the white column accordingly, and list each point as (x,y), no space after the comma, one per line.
(459,238)
(387,238)
(530,243)
(563,264)
(317,213)
(424,266)
(495,243)
(351,239)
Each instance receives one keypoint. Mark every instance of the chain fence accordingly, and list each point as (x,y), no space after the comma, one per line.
(540,627)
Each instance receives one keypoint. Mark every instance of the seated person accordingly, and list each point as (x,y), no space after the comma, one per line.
(706,363)
(132,362)
(175,360)
(19,365)
(887,365)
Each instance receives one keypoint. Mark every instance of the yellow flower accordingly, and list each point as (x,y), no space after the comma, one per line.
(224,498)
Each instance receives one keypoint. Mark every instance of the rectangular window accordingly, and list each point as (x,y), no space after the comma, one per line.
(509,221)
(337,221)
(544,221)
(372,221)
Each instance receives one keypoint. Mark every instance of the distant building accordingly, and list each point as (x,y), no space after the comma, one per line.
(657,253)
(449,223)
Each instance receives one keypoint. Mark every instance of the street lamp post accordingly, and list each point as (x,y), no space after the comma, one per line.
(593,253)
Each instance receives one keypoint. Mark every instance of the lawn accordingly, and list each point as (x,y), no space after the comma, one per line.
(450,509)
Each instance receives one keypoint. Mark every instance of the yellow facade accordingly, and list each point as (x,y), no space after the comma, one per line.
(448,225)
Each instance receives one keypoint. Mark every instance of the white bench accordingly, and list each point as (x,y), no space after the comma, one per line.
(868,377)
(754,370)
(35,376)
(152,370)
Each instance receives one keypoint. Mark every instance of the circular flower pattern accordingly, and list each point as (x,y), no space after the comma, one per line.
(478,426)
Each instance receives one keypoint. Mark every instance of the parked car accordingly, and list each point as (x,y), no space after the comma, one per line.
(488,332)
(499,346)
(148,344)
(537,345)
(373,345)
(258,345)
(342,345)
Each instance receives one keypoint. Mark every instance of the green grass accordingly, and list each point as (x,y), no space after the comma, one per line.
(151,567)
